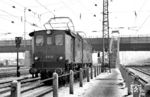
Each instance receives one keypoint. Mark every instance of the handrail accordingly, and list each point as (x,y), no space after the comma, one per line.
(132,78)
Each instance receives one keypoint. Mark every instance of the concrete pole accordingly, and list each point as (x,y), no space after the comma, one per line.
(81,78)
(94,71)
(129,81)
(71,82)
(15,89)
(97,70)
(91,72)
(55,84)
(136,87)
(88,75)
(147,90)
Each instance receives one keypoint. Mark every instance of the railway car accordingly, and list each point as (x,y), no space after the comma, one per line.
(58,51)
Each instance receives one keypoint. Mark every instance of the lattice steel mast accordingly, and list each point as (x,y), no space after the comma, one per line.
(105,31)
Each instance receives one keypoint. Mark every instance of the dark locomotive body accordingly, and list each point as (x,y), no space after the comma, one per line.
(58,51)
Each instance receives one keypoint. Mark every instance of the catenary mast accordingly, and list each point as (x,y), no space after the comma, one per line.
(105,31)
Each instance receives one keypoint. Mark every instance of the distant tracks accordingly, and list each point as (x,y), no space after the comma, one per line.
(142,70)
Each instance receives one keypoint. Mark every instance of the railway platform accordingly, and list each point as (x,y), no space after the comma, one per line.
(104,85)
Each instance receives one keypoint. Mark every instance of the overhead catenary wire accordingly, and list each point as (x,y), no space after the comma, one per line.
(139,12)
(145,2)
(136,12)
(13,16)
(3,18)
(24,7)
(146,19)
(9,14)
(45,8)
(86,8)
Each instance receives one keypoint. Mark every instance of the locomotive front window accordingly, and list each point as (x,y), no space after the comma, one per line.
(39,40)
(59,39)
(49,40)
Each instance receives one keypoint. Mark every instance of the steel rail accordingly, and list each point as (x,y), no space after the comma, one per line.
(142,71)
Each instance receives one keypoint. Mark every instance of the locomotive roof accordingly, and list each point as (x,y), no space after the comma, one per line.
(66,31)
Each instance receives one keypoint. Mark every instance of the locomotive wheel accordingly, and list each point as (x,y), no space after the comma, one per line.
(36,75)
(45,75)
(76,76)
(64,79)
(61,81)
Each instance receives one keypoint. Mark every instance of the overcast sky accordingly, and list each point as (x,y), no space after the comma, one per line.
(131,15)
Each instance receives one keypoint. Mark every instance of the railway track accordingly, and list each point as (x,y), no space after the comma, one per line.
(29,88)
(142,72)
(34,86)
(26,85)
(11,71)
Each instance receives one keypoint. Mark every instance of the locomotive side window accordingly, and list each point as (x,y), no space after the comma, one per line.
(39,40)
(59,40)
(49,40)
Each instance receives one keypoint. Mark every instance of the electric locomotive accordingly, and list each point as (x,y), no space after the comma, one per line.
(58,51)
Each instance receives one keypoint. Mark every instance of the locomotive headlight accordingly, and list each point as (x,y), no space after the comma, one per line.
(36,58)
(48,32)
(61,57)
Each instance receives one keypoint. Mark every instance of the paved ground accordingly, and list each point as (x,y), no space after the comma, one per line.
(104,85)
(110,85)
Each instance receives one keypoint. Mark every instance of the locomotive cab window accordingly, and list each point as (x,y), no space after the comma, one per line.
(49,40)
(39,40)
(59,40)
